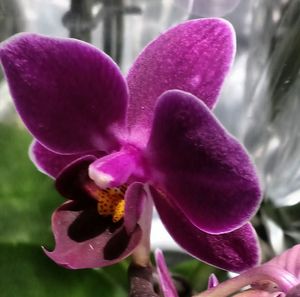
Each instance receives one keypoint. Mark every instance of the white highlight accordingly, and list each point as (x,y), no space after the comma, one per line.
(160,238)
(100,178)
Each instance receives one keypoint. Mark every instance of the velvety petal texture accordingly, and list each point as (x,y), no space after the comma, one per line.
(205,171)
(49,162)
(234,251)
(165,280)
(70,95)
(194,56)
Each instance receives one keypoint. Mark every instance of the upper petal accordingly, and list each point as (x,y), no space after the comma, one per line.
(206,172)
(69,94)
(194,56)
(234,251)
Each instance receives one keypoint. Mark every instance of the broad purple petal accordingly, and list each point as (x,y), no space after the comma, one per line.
(205,171)
(165,280)
(49,162)
(70,95)
(194,57)
(84,239)
(71,181)
(234,251)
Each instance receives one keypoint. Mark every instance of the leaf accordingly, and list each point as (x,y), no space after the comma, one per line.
(118,273)
(25,271)
(27,197)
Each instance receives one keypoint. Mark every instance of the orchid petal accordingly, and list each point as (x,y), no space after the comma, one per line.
(84,239)
(234,251)
(212,281)
(204,170)
(294,292)
(70,182)
(70,95)
(49,162)
(134,206)
(194,56)
(289,260)
(165,280)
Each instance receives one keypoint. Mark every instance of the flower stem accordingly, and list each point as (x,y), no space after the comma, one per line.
(275,274)
(141,254)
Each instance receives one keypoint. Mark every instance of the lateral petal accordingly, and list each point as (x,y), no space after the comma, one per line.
(206,172)
(234,251)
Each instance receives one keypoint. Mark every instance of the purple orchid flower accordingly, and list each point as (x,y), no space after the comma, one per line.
(116,144)
(280,277)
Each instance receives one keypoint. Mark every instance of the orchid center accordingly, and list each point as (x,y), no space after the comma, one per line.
(111,201)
